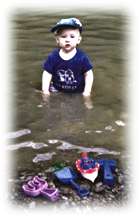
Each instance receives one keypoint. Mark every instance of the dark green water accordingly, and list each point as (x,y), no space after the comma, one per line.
(67,118)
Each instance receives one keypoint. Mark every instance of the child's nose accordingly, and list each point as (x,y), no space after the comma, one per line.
(67,39)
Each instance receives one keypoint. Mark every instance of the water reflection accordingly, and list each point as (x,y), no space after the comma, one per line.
(87,101)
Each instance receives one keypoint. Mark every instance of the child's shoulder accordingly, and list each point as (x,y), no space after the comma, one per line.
(54,52)
(81,53)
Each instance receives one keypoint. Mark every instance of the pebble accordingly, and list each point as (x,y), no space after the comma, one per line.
(99,187)
(64,197)
(22,177)
(120,179)
(121,187)
(51,184)
(65,190)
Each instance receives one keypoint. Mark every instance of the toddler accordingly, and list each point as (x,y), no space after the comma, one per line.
(67,67)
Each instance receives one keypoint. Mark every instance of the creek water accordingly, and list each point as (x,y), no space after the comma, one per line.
(56,130)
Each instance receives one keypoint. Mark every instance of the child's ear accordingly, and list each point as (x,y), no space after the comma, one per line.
(57,40)
(79,39)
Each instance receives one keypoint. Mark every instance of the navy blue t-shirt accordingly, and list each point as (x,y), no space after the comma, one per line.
(68,75)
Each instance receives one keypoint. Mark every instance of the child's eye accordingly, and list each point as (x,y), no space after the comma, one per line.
(63,36)
(72,36)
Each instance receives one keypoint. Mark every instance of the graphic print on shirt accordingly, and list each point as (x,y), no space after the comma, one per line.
(67,78)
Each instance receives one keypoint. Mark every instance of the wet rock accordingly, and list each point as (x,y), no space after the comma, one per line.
(51,184)
(64,197)
(65,190)
(99,187)
(22,178)
(121,187)
(77,198)
(120,179)
(49,170)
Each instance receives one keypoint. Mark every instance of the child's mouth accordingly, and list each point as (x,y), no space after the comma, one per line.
(67,45)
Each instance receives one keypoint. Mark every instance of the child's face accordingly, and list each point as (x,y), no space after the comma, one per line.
(68,39)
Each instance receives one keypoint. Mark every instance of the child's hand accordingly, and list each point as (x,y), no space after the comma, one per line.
(46,92)
(86,94)
(88,102)
(45,96)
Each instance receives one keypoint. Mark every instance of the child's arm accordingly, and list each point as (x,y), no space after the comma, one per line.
(88,83)
(46,80)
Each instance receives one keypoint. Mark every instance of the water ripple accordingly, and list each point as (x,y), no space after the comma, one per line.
(29,144)
(43,157)
(16,134)
(68,146)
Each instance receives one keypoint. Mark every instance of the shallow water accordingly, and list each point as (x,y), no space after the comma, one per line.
(98,125)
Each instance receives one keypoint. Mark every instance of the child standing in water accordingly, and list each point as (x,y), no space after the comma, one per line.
(67,67)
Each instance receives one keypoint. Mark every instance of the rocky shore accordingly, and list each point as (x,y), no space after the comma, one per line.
(100,195)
